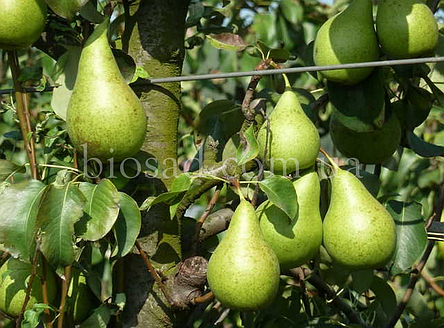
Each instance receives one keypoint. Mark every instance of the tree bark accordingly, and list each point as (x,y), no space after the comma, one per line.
(154,37)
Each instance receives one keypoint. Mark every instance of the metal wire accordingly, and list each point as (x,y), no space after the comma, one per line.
(268,72)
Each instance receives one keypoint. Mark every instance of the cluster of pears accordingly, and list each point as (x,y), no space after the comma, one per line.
(104,114)
(291,139)
(404,29)
(22,22)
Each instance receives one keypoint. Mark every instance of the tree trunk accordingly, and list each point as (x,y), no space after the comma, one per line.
(154,37)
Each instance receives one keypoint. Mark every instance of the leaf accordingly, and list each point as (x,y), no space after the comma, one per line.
(280,192)
(7,169)
(60,209)
(90,12)
(126,64)
(19,205)
(249,149)
(384,295)
(102,209)
(423,148)
(359,107)
(292,11)
(66,8)
(227,41)
(362,280)
(67,68)
(195,11)
(99,319)
(128,224)
(411,234)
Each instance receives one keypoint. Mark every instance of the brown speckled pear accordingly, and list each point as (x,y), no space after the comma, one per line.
(294,242)
(293,141)
(243,271)
(21,22)
(406,28)
(359,233)
(103,111)
(348,37)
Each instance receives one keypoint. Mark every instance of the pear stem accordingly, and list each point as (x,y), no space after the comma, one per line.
(204,298)
(332,162)
(204,216)
(286,81)
(65,287)
(23,113)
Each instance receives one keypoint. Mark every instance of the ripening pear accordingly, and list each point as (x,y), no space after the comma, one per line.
(359,233)
(406,28)
(368,147)
(104,113)
(243,272)
(294,241)
(21,22)
(347,37)
(293,140)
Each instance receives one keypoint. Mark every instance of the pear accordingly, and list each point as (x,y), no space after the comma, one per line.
(368,147)
(293,140)
(243,271)
(406,28)
(105,119)
(294,241)
(348,37)
(359,233)
(22,22)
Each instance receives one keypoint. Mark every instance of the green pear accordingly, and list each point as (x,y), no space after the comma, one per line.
(406,28)
(368,147)
(294,241)
(348,37)
(105,119)
(82,300)
(22,22)
(243,272)
(293,140)
(14,278)
(359,233)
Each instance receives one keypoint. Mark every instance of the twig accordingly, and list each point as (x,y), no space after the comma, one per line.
(417,269)
(204,216)
(204,298)
(19,320)
(249,94)
(432,283)
(335,300)
(301,276)
(45,292)
(65,288)
(23,113)
(154,274)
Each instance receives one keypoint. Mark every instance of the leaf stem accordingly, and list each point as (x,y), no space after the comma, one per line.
(332,162)
(23,113)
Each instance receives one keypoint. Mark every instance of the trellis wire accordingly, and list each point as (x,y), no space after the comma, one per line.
(268,72)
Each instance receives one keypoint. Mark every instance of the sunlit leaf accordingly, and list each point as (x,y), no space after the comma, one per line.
(66,8)
(102,209)
(19,204)
(249,149)
(411,234)
(7,168)
(227,41)
(60,209)
(280,192)
(99,318)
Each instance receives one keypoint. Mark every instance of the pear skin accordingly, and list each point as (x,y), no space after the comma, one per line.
(406,28)
(293,141)
(359,233)
(368,147)
(243,271)
(348,37)
(103,112)
(22,22)
(294,242)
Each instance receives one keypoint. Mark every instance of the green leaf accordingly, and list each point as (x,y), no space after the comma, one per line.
(280,192)
(360,107)
(411,234)
(99,319)
(102,209)
(292,11)
(66,8)
(60,209)
(90,12)
(7,169)
(195,11)
(127,227)
(362,280)
(249,149)
(227,41)
(423,148)
(19,205)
